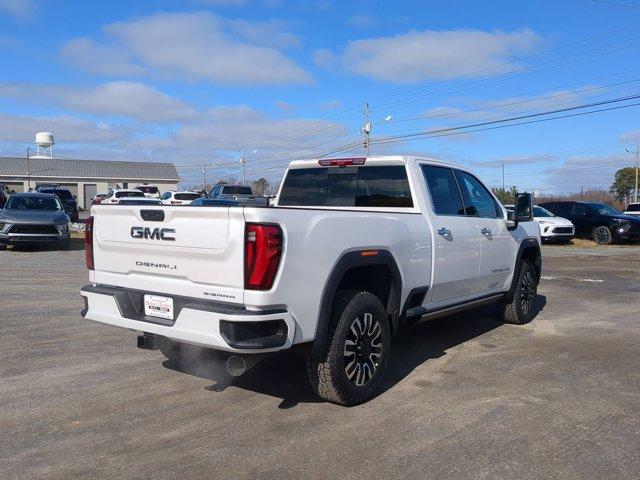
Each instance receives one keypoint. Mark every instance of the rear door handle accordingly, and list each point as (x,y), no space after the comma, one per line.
(485,231)
(445,232)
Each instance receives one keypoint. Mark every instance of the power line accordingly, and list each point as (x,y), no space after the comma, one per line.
(616,4)
(445,131)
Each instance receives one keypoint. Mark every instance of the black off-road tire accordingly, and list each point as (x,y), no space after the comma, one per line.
(602,235)
(328,373)
(519,307)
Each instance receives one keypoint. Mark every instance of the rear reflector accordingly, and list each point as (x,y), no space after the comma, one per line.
(341,162)
(262,252)
(88,242)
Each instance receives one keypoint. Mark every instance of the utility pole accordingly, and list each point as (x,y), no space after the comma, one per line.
(503,176)
(581,192)
(28,172)
(204,175)
(366,130)
(243,161)
(635,196)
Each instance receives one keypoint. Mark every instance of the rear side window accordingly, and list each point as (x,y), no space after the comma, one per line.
(634,207)
(563,209)
(445,195)
(383,186)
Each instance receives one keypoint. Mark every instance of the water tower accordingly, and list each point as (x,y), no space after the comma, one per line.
(44,144)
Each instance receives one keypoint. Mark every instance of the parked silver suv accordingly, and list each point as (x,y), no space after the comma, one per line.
(34,219)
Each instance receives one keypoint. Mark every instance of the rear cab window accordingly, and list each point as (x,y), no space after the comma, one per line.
(352,186)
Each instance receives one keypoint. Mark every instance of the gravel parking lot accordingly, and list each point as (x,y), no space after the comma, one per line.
(465,397)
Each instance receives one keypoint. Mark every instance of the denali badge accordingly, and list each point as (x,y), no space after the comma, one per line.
(154,234)
(156,265)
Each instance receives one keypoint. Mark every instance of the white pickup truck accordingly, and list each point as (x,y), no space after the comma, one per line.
(351,249)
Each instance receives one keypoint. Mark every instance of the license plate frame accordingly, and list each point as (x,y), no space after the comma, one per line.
(158,306)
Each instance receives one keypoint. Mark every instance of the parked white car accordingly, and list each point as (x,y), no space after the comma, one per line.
(178,198)
(552,228)
(116,194)
(149,190)
(633,209)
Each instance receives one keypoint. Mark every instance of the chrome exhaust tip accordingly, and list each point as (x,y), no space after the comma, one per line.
(236,365)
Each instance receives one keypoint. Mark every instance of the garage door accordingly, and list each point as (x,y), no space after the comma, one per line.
(16,186)
(90,191)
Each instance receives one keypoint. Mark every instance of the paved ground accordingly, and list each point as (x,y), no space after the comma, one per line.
(466,397)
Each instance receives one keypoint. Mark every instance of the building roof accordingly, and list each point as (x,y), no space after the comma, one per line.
(44,167)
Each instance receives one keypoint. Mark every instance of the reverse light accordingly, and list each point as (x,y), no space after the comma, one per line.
(341,162)
(262,253)
(88,242)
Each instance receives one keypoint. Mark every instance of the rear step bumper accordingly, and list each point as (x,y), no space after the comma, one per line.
(198,322)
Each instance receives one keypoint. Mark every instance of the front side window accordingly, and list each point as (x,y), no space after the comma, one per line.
(580,210)
(476,197)
(186,196)
(445,195)
(604,209)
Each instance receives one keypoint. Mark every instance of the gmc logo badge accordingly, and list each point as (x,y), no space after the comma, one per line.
(165,234)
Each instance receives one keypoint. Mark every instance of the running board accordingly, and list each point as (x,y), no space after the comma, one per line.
(416,314)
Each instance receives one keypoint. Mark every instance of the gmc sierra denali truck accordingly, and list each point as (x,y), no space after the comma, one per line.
(351,249)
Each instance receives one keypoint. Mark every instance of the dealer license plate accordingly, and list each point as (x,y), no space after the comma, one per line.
(156,306)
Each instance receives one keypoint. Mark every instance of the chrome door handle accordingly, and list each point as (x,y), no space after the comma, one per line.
(485,231)
(445,232)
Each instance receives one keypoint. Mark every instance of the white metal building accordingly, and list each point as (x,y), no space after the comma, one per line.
(84,178)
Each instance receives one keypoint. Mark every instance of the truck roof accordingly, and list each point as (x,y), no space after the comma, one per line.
(377,160)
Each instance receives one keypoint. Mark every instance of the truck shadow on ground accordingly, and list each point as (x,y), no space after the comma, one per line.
(283,375)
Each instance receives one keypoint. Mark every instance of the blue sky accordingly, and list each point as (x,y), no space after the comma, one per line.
(192,82)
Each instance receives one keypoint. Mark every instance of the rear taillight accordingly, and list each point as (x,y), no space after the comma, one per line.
(262,252)
(88,242)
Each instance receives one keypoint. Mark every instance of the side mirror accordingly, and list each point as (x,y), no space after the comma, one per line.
(524,207)
(523,211)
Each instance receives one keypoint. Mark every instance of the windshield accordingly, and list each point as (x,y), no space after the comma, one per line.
(61,194)
(49,204)
(542,212)
(604,209)
(147,189)
(129,194)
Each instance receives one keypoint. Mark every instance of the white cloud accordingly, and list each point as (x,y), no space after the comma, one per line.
(284,106)
(127,99)
(18,8)
(196,46)
(424,55)
(21,129)
(632,136)
(227,128)
(110,60)
(361,21)
(222,3)
(266,34)
(330,104)
(325,58)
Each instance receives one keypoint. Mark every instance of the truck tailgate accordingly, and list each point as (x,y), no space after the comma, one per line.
(179,250)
